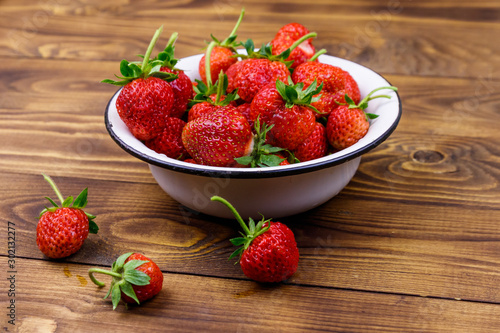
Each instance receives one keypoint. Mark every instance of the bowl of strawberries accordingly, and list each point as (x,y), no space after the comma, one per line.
(277,130)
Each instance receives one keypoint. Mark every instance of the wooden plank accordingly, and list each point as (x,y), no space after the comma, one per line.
(448,250)
(380,35)
(61,297)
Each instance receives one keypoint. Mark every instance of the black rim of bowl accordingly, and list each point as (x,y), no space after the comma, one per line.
(256,172)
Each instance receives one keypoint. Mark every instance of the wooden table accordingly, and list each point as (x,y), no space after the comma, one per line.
(411,244)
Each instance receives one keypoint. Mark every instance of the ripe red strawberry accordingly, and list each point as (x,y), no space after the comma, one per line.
(288,109)
(336,84)
(146,98)
(260,68)
(314,146)
(286,36)
(169,141)
(253,74)
(61,231)
(218,138)
(222,56)
(135,279)
(268,251)
(348,123)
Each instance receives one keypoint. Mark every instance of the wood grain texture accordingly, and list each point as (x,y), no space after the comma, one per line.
(182,306)
(411,244)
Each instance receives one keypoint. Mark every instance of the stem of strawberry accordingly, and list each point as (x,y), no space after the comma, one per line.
(301,39)
(234,211)
(363,104)
(208,53)
(151,47)
(317,54)
(54,187)
(102,271)
(227,41)
(172,39)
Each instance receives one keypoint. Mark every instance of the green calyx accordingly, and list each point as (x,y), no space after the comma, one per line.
(295,94)
(147,68)
(265,52)
(124,276)
(249,233)
(263,154)
(230,41)
(363,104)
(79,203)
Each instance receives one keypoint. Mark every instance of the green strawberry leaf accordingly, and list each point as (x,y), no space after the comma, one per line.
(236,253)
(371,115)
(93,228)
(244,160)
(52,202)
(81,199)
(116,295)
(120,261)
(270,160)
(128,290)
(136,277)
(133,264)
(238,241)
(67,202)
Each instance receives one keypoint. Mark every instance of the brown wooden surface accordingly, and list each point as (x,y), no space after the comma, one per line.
(412,244)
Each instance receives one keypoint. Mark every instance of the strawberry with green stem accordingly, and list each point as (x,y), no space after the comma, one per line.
(288,108)
(146,98)
(286,36)
(267,250)
(62,230)
(136,279)
(222,55)
(259,68)
(348,123)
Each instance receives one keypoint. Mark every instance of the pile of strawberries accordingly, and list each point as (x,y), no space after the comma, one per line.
(270,107)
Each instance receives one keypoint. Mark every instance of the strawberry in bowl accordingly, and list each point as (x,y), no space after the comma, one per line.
(292,173)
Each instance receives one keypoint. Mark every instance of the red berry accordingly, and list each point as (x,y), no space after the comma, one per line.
(268,250)
(346,126)
(61,230)
(144,104)
(286,36)
(169,141)
(155,285)
(183,91)
(136,279)
(250,75)
(314,146)
(221,58)
(272,256)
(218,138)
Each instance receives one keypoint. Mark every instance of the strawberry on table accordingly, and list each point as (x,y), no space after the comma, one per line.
(286,36)
(146,98)
(61,231)
(136,279)
(268,251)
(222,55)
(348,123)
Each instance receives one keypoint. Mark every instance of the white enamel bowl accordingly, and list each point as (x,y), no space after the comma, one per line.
(275,191)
